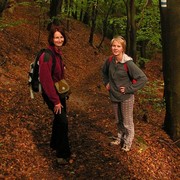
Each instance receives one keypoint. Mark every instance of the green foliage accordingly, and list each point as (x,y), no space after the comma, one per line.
(149,26)
(141,144)
(25,3)
(142,61)
(147,18)
(150,91)
(117,26)
(147,22)
(4,25)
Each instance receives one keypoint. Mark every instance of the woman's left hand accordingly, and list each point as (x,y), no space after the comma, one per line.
(108,86)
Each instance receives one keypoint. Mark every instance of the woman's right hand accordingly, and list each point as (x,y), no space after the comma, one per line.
(108,86)
(57,108)
(122,90)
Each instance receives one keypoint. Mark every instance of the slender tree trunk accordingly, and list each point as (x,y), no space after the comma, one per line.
(93,26)
(81,12)
(133,51)
(86,17)
(170,18)
(75,10)
(131,29)
(105,24)
(55,8)
(2,6)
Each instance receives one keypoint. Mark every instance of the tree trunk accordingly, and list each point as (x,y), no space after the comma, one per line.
(86,17)
(81,11)
(55,8)
(93,26)
(131,29)
(105,26)
(133,51)
(54,5)
(170,18)
(2,6)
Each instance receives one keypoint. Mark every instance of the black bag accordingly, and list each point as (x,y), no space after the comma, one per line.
(34,83)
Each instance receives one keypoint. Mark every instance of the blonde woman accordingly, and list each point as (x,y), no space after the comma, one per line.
(118,72)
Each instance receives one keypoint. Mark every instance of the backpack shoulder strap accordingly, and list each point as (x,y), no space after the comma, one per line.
(126,67)
(110,58)
(125,64)
(47,53)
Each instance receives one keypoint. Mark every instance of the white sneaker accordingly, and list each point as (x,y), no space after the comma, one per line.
(126,148)
(115,142)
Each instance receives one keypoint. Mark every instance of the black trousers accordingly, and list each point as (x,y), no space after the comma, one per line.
(59,137)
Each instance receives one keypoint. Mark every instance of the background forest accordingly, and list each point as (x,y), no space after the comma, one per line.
(26,124)
(138,21)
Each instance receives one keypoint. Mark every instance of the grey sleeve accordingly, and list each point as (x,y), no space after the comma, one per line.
(136,73)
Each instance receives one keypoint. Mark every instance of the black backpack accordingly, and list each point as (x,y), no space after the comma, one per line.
(34,83)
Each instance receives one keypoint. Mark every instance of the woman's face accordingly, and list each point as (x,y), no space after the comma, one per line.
(117,48)
(58,39)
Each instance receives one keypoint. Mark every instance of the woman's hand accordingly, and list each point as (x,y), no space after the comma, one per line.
(122,90)
(57,108)
(108,86)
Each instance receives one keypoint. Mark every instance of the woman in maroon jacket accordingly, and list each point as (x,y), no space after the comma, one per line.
(59,138)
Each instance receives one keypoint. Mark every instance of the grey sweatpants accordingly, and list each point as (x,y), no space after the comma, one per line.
(124,117)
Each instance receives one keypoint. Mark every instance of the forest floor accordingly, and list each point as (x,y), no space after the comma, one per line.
(26,123)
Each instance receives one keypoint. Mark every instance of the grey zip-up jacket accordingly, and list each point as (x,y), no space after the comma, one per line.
(116,75)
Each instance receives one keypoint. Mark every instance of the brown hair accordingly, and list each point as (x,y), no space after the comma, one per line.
(51,34)
(121,40)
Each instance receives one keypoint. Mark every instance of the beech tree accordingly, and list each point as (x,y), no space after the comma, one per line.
(170,18)
(55,8)
(131,28)
(93,21)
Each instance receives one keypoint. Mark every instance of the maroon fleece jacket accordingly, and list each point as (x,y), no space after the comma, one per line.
(45,73)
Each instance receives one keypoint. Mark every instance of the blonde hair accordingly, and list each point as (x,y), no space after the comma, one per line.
(121,40)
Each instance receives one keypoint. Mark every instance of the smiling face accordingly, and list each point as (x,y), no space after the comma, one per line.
(118,45)
(58,39)
(117,48)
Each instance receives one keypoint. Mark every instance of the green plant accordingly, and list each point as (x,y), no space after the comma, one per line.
(151,97)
